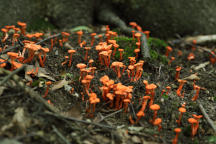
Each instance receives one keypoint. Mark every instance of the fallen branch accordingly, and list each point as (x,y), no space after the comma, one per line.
(103,118)
(60,135)
(106,15)
(211,123)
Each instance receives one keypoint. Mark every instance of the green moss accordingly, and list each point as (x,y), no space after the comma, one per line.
(156,52)
(40,25)
(128,44)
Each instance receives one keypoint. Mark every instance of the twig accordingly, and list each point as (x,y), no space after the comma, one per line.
(206,116)
(132,109)
(11,74)
(110,115)
(78,120)
(60,135)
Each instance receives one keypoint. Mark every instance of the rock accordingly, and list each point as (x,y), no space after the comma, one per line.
(170,17)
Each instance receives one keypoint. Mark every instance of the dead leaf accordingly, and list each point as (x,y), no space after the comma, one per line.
(59,84)
(67,45)
(192,77)
(202,65)
(41,73)
(136,139)
(137,129)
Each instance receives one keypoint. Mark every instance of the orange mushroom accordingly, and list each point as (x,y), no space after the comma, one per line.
(71,52)
(23,27)
(138,36)
(191,56)
(133,24)
(66,60)
(139,115)
(79,33)
(178,69)
(48,83)
(157,122)
(92,38)
(147,34)
(197,89)
(137,52)
(151,89)
(193,123)
(133,34)
(65,36)
(181,110)
(168,50)
(144,102)
(177,131)
(121,53)
(100,37)
(86,54)
(178,91)
(155,108)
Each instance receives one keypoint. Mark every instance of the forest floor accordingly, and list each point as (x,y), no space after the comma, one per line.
(24,119)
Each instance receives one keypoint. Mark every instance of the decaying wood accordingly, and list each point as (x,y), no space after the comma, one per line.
(106,15)
(200,39)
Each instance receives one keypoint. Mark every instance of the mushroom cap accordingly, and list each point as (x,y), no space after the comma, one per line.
(132,23)
(81,65)
(3,63)
(79,32)
(168,48)
(140,113)
(151,86)
(127,100)
(137,50)
(177,130)
(194,41)
(131,67)
(16,35)
(182,109)
(29,36)
(12,54)
(100,35)
(112,42)
(4,30)
(197,116)
(138,43)
(120,50)
(89,77)
(146,97)
(168,87)
(178,68)
(104,79)
(65,34)
(155,107)
(192,120)
(138,34)
(48,83)
(145,82)
(91,61)
(110,96)
(157,121)
(191,56)
(181,81)
(146,32)
(22,24)
(71,51)
(172,58)
(46,50)
(93,34)
(87,48)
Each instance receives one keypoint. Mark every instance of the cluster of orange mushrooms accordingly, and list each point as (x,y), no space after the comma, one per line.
(116,94)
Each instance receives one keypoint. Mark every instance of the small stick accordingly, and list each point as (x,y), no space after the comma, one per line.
(206,116)
(111,115)
(77,120)
(60,135)
(11,74)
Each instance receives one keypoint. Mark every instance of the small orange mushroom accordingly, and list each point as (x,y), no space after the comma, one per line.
(168,50)
(138,36)
(178,69)
(48,83)
(157,122)
(177,131)
(181,110)
(121,53)
(23,27)
(197,89)
(155,108)
(147,34)
(171,60)
(191,56)
(79,33)
(71,52)
(193,123)
(92,38)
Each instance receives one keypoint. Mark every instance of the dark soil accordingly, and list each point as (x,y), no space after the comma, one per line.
(46,128)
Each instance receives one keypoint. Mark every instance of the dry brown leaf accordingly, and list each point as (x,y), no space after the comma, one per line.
(59,84)
(74,111)
(67,45)
(192,77)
